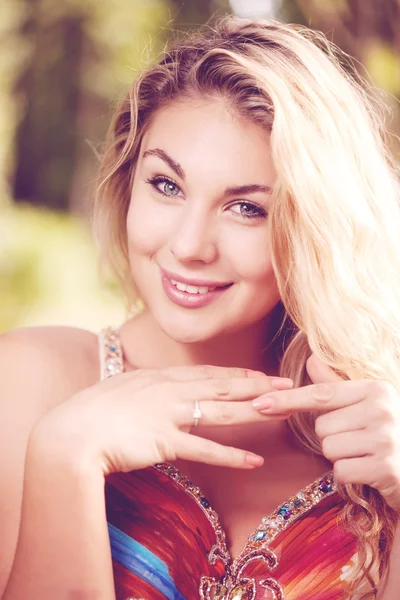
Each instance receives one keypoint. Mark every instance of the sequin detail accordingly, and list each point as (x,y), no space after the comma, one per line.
(219,551)
(288,512)
(111,355)
(234,585)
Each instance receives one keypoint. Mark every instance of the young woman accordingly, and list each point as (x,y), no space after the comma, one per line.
(245,442)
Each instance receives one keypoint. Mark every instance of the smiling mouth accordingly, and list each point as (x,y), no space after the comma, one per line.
(196,289)
(191,293)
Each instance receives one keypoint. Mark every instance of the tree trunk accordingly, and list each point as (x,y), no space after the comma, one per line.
(46,136)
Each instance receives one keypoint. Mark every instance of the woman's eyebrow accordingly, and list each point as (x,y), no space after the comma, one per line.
(238,190)
(175,166)
(242,190)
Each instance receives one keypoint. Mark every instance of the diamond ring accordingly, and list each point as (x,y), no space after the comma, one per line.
(196,413)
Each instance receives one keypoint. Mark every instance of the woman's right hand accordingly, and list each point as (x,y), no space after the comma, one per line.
(140,418)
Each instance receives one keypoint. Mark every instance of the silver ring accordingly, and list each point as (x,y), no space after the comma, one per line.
(196,413)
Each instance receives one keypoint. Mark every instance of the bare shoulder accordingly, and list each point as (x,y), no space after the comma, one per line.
(57,361)
(39,368)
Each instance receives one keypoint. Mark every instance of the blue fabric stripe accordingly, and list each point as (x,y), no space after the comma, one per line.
(140,561)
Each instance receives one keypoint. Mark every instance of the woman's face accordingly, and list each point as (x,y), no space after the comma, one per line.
(197,223)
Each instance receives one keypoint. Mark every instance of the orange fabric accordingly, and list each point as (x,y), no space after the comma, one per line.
(153,509)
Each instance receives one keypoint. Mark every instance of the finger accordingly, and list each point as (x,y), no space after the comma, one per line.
(144,377)
(191,447)
(320,372)
(195,372)
(318,396)
(216,413)
(349,418)
(350,444)
(356,470)
(213,396)
(185,373)
(227,389)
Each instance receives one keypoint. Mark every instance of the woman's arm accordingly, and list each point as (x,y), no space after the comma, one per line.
(63,548)
(39,369)
(389,590)
(125,423)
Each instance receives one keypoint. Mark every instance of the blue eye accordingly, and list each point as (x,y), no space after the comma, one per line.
(248,210)
(168,189)
(164,186)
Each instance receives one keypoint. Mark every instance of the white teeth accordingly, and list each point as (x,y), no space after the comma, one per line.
(181,286)
(192,289)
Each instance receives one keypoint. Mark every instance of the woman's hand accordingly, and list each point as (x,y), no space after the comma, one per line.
(137,419)
(359,426)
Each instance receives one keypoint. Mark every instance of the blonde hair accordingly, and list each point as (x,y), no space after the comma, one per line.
(334,214)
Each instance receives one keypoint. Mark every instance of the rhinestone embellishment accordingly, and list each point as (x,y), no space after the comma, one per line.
(291,510)
(219,551)
(234,585)
(112,362)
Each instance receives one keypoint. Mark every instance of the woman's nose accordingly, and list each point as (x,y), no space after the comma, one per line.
(194,237)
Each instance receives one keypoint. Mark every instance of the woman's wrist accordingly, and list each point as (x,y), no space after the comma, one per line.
(56,445)
(63,522)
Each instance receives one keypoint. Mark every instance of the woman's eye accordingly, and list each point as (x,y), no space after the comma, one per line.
(164,186)
(248,210)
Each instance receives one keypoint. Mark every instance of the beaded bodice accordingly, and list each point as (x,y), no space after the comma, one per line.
(167,540)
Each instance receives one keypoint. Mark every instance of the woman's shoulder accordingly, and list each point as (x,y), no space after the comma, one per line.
(40,367)
(53,361)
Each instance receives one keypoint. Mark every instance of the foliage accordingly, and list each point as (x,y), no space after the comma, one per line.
(62,66)
(48,272)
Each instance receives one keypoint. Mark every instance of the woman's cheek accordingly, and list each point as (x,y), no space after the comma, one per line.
(251,256)
(147,229)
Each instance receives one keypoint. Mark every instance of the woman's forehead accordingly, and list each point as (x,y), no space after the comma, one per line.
(206,134)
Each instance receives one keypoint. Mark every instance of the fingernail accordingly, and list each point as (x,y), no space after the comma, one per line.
(282,383)
(255,374)
(263,403)
(254,460)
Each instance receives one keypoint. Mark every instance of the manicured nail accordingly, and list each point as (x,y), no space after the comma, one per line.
(282,383)
(254,460)
(263,403)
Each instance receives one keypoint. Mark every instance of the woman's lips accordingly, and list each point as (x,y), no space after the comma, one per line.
(194,280)
(189,299)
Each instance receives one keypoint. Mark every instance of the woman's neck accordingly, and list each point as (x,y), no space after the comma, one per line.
(147,346)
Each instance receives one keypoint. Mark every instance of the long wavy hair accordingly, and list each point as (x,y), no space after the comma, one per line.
(334,214)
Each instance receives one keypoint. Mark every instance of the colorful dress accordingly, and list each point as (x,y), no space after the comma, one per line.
(167,541)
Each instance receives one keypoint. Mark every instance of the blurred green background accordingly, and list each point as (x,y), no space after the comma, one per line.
(63,65)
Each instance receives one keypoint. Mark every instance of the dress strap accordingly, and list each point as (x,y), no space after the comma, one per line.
(110,353)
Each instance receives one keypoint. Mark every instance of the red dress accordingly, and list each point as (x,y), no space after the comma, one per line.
(167,541)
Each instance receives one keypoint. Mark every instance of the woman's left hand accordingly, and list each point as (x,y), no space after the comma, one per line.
(358,425)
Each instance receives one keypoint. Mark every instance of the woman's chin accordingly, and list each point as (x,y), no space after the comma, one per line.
(187,336)
(189,332)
